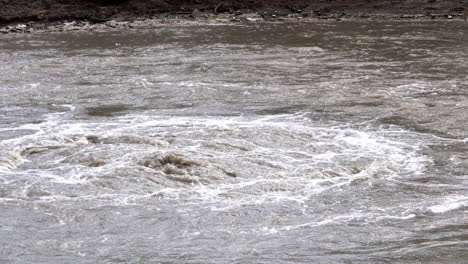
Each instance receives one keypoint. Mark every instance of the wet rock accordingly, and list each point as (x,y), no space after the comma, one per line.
(176,160)
(171,169)
(196,13)
(180,168)
(179,160)
(97,163)
(93,139)
(37,26)
(111,24)
(249,18)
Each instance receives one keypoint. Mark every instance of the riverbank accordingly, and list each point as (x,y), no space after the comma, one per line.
(143,23)
(51,15)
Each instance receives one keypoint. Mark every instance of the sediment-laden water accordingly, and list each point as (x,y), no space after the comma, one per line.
(265,143)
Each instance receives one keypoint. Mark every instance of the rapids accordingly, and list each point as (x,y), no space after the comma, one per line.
(261,143)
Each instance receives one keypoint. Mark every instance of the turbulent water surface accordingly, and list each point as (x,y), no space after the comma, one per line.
(267,143)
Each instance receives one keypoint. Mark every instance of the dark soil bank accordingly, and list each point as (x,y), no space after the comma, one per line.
(101,10)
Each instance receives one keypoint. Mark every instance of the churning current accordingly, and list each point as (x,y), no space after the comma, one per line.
(323,142)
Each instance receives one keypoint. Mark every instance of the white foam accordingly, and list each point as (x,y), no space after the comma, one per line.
(308,50)
(449,204)
(10,160)
(277,158)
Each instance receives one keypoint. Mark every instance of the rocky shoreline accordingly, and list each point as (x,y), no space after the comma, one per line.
(142,23)
(21,16)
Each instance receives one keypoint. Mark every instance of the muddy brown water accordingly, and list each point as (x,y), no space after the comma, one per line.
(264,143)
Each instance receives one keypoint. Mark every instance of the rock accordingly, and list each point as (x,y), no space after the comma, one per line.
(111,24)
(196,13)
(37,26)
(249,18)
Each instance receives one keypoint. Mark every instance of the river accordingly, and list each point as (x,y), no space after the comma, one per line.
(327,142)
